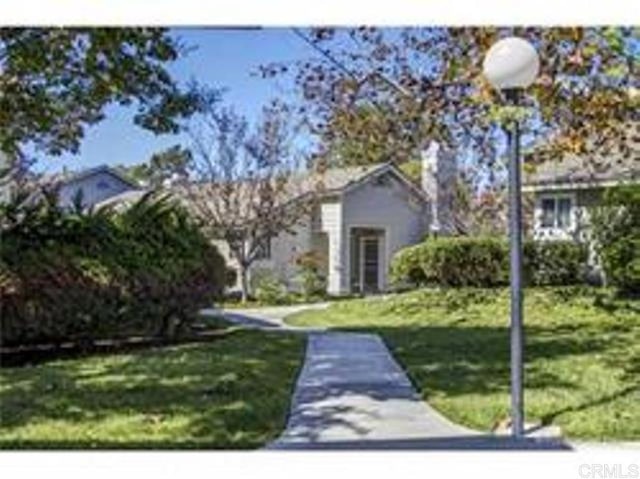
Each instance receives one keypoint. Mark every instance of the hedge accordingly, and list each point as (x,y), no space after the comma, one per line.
(554,263)
(484,262)
(82,276)
(616,231)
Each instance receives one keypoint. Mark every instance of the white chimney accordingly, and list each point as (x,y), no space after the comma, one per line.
(438,179)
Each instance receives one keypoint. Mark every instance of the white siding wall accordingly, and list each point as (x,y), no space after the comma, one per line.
(284,250)
(332,225)
(95,188)
(578,230)
(390,207)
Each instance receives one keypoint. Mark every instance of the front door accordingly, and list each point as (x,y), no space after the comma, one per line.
(369,264)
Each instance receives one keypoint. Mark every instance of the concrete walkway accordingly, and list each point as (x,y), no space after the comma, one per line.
(352,394)
(351,390)
(271,317)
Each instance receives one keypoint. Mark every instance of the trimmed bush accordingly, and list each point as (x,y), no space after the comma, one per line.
(454,261)
(81,276)
(554,263)
(406,266)
(484,262)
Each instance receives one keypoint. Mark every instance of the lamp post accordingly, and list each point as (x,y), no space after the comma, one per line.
(511,65)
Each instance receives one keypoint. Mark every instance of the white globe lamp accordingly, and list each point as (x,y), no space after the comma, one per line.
(511,63)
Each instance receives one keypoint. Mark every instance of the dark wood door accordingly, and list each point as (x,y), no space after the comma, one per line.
(370,257)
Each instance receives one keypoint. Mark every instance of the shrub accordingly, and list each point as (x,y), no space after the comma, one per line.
(453,261)
(267,288)
(406,266)
(554,263)
(484,262)
(81,276)
(313,283)
(616,232)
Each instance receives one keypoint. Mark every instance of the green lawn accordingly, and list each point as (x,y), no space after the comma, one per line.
(582,354)
(230,393)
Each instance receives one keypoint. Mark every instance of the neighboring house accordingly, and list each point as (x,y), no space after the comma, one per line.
(564,191)
(365,215)
(94,185)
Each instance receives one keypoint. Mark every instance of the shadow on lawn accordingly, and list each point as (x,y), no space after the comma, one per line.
(465,360)
(229,394)
(551,417)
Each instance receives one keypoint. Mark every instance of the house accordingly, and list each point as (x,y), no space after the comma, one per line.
(365,215)
(564,191)
(93,186)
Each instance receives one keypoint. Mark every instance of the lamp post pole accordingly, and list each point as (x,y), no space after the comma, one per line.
(515,250)
(511,65)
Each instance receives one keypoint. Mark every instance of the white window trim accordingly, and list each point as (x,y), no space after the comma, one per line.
(555,231)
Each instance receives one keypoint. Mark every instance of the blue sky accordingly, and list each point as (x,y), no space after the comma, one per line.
(221,58)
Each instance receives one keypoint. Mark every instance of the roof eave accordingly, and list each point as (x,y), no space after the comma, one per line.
(100,169)
(576,185)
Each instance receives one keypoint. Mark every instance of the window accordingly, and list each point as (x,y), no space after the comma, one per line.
(548,212)
(564,212)
(264,250)
(103,185)
(556,213)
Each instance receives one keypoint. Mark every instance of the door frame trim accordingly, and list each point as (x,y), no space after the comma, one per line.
(383,251)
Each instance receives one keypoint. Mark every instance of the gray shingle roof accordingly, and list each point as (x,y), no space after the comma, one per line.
(65,178)
(574,169)
(331,181)
(599,168)
(99,169)
(337,179)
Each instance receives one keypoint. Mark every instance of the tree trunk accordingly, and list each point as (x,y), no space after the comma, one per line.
(244,283)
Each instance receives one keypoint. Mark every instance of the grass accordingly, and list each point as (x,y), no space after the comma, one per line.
(582,354)
(230,393)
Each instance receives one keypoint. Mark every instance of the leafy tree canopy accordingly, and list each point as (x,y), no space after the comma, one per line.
(55,82)
(374,94)
(168,164)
